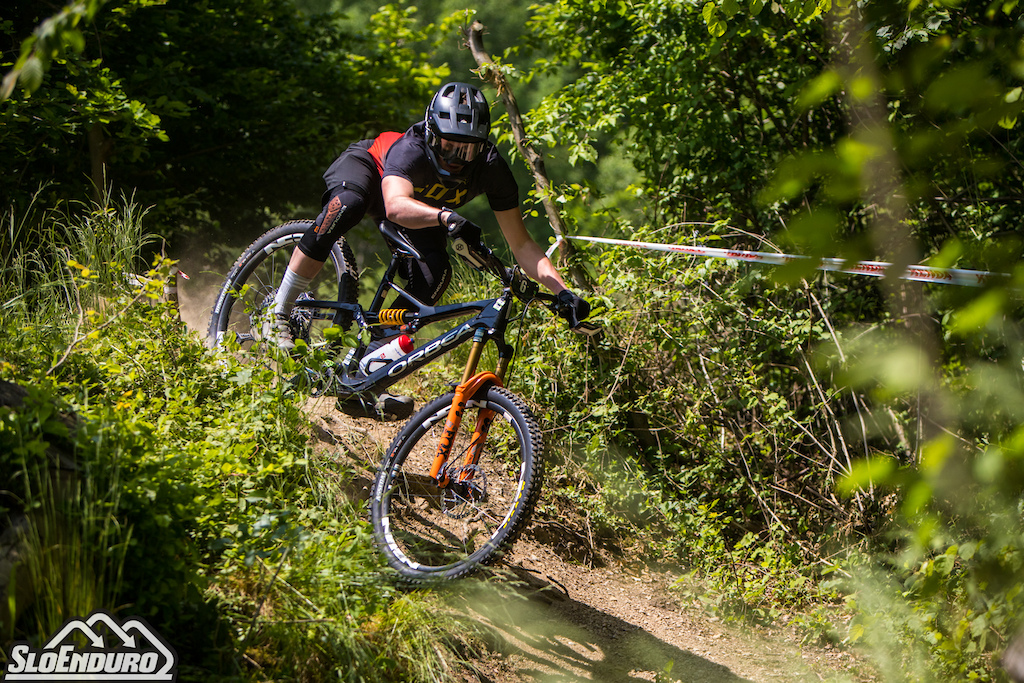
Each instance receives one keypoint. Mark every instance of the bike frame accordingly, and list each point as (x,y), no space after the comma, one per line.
(489,322)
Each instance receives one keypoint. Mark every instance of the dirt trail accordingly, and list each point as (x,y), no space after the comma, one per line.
(551,619)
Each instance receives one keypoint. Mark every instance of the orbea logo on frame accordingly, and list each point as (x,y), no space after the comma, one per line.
(96,648)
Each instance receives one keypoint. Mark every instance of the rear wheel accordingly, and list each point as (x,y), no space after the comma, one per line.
(247,296)
(427,531)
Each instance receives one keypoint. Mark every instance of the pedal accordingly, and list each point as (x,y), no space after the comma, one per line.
(399,407)
(383,407)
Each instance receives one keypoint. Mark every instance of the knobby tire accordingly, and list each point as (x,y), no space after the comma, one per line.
(428,533)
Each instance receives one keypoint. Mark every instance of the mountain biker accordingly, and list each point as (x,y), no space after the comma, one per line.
(417,180)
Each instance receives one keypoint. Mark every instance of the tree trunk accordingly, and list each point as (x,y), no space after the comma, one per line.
(99,151)
(474,37)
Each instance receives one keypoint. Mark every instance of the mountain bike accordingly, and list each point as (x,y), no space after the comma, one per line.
(459,481)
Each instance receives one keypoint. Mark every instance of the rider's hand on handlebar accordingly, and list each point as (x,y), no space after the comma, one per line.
(571,307)
(458,226)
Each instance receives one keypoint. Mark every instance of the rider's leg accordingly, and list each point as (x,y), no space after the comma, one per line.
(301,271)
(353,188)
(428,279)
(342,210)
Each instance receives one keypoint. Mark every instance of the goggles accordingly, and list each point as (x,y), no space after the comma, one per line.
(455,152)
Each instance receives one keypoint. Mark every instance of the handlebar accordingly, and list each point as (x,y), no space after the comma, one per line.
(525,289)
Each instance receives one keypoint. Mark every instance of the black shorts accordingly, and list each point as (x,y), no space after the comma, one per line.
(353,191)
(356,169)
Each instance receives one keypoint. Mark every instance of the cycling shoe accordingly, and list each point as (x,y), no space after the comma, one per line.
(382,407)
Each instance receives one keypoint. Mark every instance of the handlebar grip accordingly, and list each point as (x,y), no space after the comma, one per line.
(584,327)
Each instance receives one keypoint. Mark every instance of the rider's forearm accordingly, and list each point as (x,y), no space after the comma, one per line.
(538,267)
(402,208)
(527,252)
(412,214)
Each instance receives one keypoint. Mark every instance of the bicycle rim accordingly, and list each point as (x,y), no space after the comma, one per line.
(246,298)
(428,532)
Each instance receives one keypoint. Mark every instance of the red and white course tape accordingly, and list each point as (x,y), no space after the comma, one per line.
(944,276)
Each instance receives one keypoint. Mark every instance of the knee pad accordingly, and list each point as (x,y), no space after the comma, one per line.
(343,209)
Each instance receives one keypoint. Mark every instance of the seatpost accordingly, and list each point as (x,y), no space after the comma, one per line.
(385,284)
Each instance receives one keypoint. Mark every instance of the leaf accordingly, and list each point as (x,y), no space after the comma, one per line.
(917,498)
(716,27)
(977,314)
(74,39)
(935,453)
(960,88)
(867,473)
(32,73)
(819,89)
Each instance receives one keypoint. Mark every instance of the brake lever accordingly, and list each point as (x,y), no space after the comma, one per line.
(462,249)
(489,262)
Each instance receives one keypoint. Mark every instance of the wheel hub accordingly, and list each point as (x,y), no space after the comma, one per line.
(467,487)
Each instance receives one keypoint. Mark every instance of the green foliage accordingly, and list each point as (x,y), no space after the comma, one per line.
(184,104)
(704,420)
(872,130)
(948,589)
(749,430)
(51,39)
(187,491)
(702,124)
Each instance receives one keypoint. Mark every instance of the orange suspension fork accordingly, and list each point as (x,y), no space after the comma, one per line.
(463,393)
(471,384)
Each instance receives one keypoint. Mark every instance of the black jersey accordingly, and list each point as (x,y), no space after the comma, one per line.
(488,175)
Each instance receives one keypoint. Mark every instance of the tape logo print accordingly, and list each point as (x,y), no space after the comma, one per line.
(129,651)
(920,273)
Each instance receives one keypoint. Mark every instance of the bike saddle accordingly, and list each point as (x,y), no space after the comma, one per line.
(397,242)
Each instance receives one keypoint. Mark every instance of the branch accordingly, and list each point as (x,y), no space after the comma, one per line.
(488,72)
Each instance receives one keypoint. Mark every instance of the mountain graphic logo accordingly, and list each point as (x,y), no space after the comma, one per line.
(112,651)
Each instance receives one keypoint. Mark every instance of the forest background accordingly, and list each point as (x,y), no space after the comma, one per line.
(847,447)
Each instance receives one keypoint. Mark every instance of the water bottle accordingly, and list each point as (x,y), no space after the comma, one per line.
(381,356)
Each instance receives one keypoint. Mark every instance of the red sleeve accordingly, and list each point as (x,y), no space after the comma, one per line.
(380,147)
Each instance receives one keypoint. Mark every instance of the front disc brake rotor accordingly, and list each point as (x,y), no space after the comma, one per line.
(467,486)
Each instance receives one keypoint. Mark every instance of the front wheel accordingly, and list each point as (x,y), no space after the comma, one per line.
(428,531)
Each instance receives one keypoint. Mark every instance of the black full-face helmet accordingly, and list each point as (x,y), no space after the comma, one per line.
(458,121)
